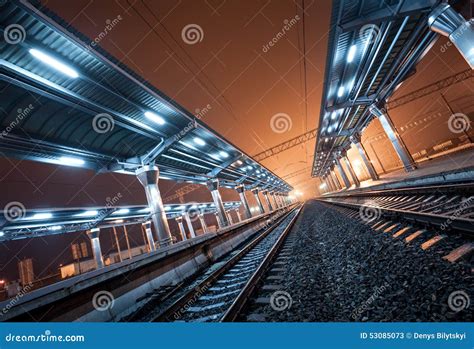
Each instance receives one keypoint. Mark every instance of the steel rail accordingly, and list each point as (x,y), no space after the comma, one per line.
(240,302)
(175,308)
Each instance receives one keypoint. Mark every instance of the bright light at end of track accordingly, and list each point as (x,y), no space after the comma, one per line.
(68,161)
(155,118)
(54,63)
(199,141)
(351,54)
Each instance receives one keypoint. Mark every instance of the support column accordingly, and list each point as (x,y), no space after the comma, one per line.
(218,220)
(239,217)
(269,204)
(275,204)
(148,177)
(241,190)
(336,180)
(351,170)
(356,139)
(149,236)
(229,217)
(95,244)
(203,223)
(187,218)
(182,231)
(392,134)
(448,22)
(330,182)
(342,173)
(213,186)
(259,202)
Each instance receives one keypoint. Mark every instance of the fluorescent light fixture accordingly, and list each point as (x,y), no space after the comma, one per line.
(2,233)
(167,208)
(54,63)
(45,215)
(89,213)
(180,207)
(203,206)
(249,167)
(68,161)
(155,117)
(334,115)
(55,227)
(351,54)
(239,162)
(223,154)
(340,91)
(118,221)
(199,141)
(122,211)
(146,209)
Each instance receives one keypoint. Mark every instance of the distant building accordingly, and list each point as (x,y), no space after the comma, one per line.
(25,269)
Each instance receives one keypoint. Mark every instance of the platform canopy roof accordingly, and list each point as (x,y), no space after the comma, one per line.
(45,222)
(373,47)
(67,101)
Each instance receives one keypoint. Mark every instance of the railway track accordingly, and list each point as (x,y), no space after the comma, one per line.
(425,215)
(220,292)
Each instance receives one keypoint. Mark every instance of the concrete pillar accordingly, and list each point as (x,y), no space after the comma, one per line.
(203,223)
(273,194)
(342,173)
(149,236)
(351,171)
(259,202)
(241,190)
(213,186)
(218,220)
(229,217)
(269,204)
(394,137)
(330,182)
(356,139)
(448,22)
(95,244)
(182,231)
(189,223)
(239,217)
(148,177)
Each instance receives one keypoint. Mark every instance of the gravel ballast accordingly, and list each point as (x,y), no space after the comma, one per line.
(342,270)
